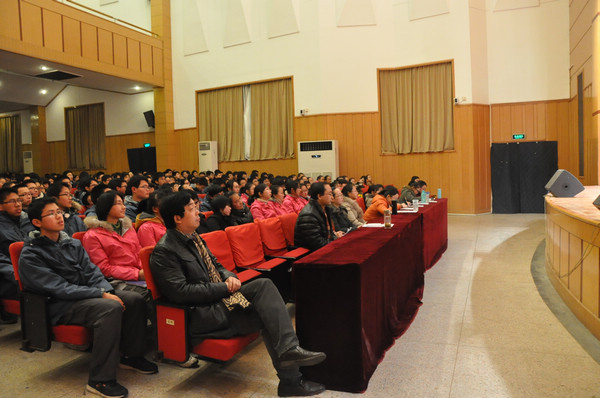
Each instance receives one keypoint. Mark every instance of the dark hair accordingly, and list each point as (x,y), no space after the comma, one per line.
(174,205)
(135,182)
(389,190)
(35,209)
(316,189)
(105,177)
(374,188)
(291,184)
(115,183)
(54,189)
(156,176)
(413,179)
(220,202)
(414,184)
(260,188)
(97,191)
(105,202)
(214,190)
(347,189)
(275,189)
(421,183)
(229,184)
(84,183)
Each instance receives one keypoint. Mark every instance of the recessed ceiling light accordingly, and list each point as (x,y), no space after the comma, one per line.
(43,91)
(44,68)
(137,88)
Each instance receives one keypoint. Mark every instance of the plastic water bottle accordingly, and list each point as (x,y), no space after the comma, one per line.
(416,204)
(423,197)
(439,195)
(387,219)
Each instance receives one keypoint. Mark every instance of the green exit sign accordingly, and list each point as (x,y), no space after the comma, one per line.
(147,144)
(518,136)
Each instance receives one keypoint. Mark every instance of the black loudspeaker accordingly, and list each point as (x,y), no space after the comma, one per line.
(597,202)
(564,184)
(149,115)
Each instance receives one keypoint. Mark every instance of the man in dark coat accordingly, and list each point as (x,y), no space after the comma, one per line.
(187,273)
(314,226)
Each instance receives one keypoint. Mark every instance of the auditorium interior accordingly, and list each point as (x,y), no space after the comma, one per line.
(510,309)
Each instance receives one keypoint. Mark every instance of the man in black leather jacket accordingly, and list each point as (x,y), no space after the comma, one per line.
(314,226)
(187,273)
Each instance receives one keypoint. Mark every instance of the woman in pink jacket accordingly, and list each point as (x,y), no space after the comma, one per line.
(276,201)
(149,224)
(111,240)
(261,208)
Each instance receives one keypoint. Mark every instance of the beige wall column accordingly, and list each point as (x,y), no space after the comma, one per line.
(166,145)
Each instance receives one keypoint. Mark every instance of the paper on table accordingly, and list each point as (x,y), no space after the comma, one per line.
(374,225)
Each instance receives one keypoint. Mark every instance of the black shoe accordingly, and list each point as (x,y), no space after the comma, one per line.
(110,389)
(140,365)
(299,388)
(298,356)
(6,318)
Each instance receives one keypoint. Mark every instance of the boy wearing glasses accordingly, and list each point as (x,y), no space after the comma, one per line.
(70,208)
(53,264)
(14,227)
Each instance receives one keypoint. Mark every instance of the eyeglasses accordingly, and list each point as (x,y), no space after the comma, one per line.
(144,187)
(54,214)
(13,202)
(65,194)
(24,194)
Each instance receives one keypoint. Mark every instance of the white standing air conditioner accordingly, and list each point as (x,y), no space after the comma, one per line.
(27,162)
(208,156)
(317,158)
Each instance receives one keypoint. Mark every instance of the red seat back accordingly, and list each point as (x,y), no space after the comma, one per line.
(288,223)
(272,236)
(145,259)
(245,243)
(361,202)
(15,251)
(218,244)
(207,213)
(78,235)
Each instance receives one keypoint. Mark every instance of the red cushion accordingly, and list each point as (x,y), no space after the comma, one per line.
(72,334)
(223,349)
(246,246)
(11,306)
(288,223)
(218,244)
(271,234)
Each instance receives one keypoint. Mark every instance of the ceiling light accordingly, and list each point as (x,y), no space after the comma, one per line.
(43,91)
(137,88)
(44,68)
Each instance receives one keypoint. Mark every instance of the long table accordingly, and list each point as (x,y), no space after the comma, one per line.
(435,230)
(355,296)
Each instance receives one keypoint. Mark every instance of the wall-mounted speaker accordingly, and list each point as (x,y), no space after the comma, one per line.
(149,115)
(564,184)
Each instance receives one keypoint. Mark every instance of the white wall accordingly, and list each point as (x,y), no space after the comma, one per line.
(335,68)
(529,53)
(25,117)
(123,113)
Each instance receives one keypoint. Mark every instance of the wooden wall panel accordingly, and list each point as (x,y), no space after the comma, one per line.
(55,32)
(120,50)
(133,54)
(71,36)
(52,26)
(31,24)
(116,149)
(10,27)
(105,46)
(89,41)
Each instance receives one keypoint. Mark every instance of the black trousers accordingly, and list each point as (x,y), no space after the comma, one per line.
(114,329)
(268,314)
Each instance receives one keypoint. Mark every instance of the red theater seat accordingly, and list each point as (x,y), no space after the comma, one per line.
(171,323)
(218,244)
(288,223)
(274,242)
(36,331)
(247,250)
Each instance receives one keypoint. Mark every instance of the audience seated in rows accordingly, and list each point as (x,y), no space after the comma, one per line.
(261,208)
(276,202)
(55,265)
(372,190)
(71,209)
(221,217)
(149,224)
(339,214)
(187,273)
(239,211)
(293,203)
(212,191)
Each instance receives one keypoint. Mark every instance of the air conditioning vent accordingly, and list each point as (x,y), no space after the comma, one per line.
(317,158)
(316,146)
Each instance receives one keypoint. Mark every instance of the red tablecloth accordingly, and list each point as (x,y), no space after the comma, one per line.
(355,296)
(434,218)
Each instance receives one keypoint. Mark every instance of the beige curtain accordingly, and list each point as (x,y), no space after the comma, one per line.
(11,159)
(432,108)
(221,119)
(416,109)
(272,124)
(396,110)
(85,132)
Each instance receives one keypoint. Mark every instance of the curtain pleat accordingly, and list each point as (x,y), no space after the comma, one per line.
(11,158)
(85,133)
(417,109)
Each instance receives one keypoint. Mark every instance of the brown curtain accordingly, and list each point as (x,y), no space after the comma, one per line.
(396,110)
(416,109)
(432,108)
(221,119)
(272,124)
(11,158)
(85,132)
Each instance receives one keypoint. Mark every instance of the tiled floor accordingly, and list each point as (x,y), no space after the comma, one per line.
(483,331)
